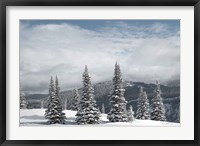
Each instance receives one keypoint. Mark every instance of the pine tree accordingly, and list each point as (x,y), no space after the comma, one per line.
(130,114)
(88,112)
(51,97)
(42,104)
(23,101)
(99,110)
(117,101)
(76,99)
(143,112)
(157,107)
(65,104)
(59,104)
(103,109)
(54,110)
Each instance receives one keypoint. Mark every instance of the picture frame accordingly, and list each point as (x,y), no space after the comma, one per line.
(103,3)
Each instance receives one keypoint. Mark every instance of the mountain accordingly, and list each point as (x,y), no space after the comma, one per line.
(173,83)
(103,91)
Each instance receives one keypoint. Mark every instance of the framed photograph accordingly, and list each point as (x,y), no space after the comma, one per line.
(99,72)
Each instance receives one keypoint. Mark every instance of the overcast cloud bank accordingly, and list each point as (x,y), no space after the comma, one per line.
(145,53)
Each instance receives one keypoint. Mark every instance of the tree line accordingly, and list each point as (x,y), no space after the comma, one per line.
(88,112)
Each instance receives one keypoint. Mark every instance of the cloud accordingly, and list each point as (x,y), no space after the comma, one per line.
(144,53)
(158,27)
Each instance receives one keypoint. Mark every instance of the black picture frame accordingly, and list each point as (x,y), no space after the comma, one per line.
(5,3)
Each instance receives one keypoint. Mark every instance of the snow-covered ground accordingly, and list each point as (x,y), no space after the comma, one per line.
(35,117)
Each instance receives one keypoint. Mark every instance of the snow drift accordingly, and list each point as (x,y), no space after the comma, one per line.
(35,117)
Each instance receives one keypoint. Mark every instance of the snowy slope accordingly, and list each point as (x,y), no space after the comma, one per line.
(35,117)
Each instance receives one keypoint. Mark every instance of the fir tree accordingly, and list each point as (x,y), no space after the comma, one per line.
(88,112)
(59,104)
(103,109)
(54,110)
(42,104)
(99,110)
(130,114)
(142,112)
(65,104)
(23,101)
(118,103)
(157,107)
(76,99)
(51,97)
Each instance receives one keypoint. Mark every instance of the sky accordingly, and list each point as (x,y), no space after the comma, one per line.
(147,50)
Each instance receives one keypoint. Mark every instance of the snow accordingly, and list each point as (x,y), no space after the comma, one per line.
(35,117)
(129,85)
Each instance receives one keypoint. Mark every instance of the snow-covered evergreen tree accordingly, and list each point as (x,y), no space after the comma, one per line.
(117,101)
(103,109)
(99,110)
(157,107)
(143,112)
(130,114)
(51,97)
(76,99)
(23,101)
(65,105)
(59,104)
(88,112)
(42,104)
(54,110)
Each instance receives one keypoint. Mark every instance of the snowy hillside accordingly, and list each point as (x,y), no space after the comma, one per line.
(35,117)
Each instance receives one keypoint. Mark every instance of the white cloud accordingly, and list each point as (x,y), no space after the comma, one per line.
(64,50)
(158,27)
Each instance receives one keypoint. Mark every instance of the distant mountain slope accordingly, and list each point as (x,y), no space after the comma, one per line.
(174,83)
(103,91)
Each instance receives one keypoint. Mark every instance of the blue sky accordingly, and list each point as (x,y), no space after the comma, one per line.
(94,24)
(147,50)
